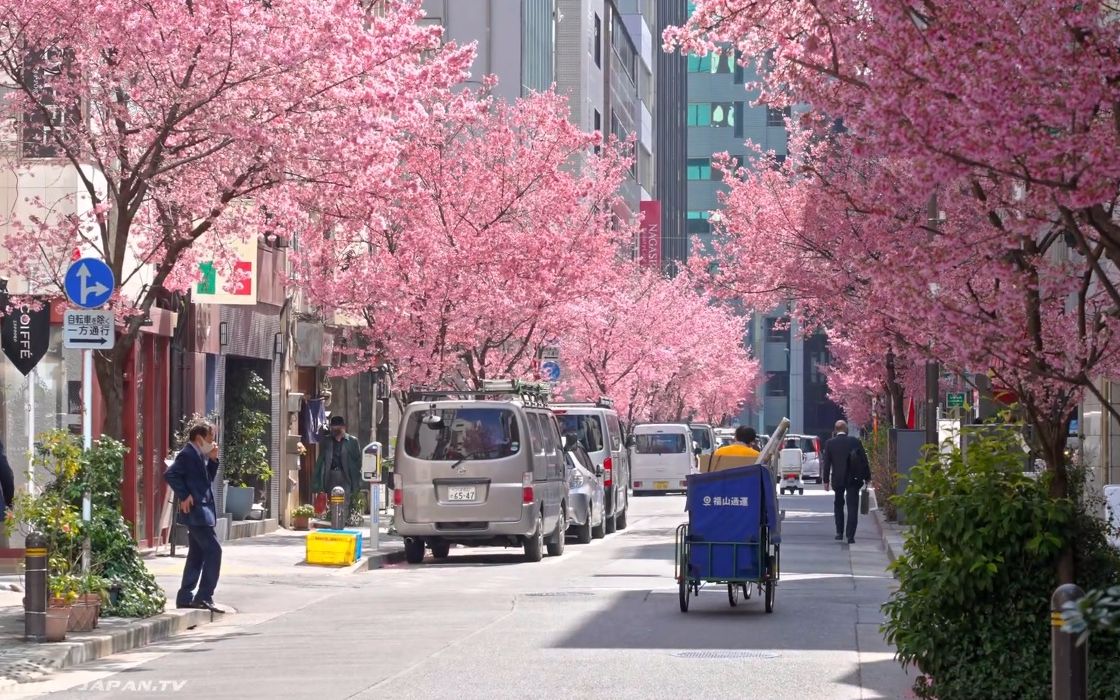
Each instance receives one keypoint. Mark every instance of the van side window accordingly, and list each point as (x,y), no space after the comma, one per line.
(551,434)
(615,431)
(535,430)
(553,429)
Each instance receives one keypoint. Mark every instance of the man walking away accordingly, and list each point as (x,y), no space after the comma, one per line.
(844,465)
(339,463)
(190,477)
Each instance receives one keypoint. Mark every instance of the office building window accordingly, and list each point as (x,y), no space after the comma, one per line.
(712,63)
(777,330)
(777,117)
(778,384)
(598,127)
(598,41)
(695,214)
(712,114)
(699,169)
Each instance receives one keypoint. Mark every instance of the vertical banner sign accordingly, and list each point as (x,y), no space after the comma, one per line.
(27,336)
(649,239)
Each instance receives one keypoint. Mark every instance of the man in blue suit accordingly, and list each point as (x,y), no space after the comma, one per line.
(190,477)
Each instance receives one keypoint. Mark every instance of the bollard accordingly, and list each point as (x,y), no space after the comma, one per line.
(36,574)
(1069,662)
(338,506)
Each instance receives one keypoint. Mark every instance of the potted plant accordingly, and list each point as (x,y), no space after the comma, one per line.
(64,591)
(245,459)
(92,592)
(301,516)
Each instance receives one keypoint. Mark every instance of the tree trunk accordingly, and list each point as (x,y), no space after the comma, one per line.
(110,368)
(895,394)
(1051,438)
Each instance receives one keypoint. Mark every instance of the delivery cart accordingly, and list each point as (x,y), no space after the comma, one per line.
(732,537)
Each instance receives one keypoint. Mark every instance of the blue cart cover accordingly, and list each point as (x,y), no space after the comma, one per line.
(730,506)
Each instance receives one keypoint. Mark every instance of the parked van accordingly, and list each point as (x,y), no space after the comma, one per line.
(598,429)
(481,469)
(664,454)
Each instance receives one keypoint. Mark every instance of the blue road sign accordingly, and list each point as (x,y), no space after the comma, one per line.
(89,283)
(550,371)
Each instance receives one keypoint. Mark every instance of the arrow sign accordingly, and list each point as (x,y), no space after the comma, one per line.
(89,283)
(88,329)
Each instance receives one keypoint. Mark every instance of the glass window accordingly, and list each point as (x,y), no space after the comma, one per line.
(699,64)
(589,430)
(778,384)
(777,330)
(699,114)
(702,437)
(463,433)
(598,41)
(699,169)
(615,431)
(777,117)
(539,446)
(659,444)
(697,214)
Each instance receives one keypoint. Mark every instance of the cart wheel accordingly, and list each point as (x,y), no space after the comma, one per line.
(685,589)
(747,591)
(769,596)
(733,594)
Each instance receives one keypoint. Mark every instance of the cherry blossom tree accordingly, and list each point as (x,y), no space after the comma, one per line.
(185,125)
(507,221)
(660,349)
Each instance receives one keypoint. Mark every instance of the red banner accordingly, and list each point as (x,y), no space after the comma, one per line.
(649,240)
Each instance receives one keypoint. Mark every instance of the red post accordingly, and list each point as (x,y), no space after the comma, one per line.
(128,422)
(151,433)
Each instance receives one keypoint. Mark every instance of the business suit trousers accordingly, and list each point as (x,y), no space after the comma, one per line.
(847,495)
(204,565)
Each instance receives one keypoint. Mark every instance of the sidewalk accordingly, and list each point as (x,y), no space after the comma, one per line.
(892,533)
(276,558)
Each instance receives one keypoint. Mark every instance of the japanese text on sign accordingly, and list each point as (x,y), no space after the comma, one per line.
(734,501)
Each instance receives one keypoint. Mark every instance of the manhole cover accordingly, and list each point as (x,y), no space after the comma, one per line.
(559,594)
(727,654)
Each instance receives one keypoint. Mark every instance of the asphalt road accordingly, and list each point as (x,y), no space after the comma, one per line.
(600,621)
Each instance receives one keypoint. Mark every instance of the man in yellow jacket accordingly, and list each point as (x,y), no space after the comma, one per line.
(737,454)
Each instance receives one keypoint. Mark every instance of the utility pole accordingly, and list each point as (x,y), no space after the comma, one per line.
(933,369)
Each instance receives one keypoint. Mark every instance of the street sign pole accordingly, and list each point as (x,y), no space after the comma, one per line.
(89,283)
(87,442)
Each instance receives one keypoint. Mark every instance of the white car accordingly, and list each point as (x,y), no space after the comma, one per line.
(811,446)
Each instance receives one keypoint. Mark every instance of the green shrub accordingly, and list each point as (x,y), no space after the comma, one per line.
(976,574)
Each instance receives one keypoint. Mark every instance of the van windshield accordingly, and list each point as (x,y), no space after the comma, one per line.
(589,429)
(463,433)
(659,444)
(702,437)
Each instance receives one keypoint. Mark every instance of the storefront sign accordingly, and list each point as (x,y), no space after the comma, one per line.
(26,335)
(649,238)
(214,287)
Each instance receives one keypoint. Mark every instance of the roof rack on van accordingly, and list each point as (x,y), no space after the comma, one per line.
(529,393)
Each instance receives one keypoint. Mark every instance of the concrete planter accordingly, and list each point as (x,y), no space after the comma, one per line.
(239,501)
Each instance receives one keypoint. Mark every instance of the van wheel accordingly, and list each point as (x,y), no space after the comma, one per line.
(610,524)
(556,542)
(534,543)
(583,533)
(440,550)
(413,550)
(620,520)
(599,531)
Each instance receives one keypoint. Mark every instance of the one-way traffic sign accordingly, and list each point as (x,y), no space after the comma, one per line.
(88,330)
(89,283)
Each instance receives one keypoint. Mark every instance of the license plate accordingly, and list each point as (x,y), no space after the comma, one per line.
(661,484)
(461,493)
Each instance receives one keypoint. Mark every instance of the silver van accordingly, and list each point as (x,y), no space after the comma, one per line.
(480,468)
(598,430)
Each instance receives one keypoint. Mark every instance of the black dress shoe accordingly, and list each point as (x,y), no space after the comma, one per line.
(207,605)
(839,537)
(851,540)
(185,606)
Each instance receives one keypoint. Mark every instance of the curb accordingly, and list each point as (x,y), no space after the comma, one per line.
(892,541)
(41,660)
(375,561)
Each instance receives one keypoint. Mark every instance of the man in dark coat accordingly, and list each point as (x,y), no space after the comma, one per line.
(845,466)
(190,477)
(339,463)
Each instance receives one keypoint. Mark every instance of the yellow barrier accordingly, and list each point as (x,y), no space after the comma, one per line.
(332,548)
